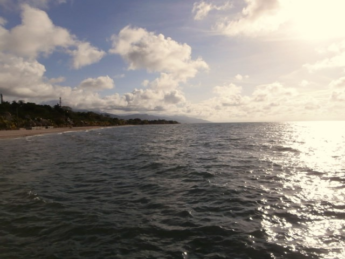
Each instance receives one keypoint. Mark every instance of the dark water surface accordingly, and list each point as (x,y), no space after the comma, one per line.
(255,190)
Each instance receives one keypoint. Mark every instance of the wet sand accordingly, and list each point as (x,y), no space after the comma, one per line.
(8,134)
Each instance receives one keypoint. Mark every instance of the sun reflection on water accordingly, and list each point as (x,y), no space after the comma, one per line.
(309,215)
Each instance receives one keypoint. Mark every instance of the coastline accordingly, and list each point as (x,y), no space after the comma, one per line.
(11,134)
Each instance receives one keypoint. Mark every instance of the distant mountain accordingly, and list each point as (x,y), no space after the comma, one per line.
(178,118)
(186,119)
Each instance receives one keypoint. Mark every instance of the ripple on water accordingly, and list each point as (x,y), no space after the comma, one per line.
(262,190)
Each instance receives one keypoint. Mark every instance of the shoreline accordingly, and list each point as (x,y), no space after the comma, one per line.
(12,134)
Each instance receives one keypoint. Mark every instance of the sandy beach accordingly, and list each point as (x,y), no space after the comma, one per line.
(8,134)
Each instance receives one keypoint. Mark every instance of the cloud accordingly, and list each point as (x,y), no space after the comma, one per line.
(338,90)
(2,21)
(57,80)
(267,102)
(335,53)
(229,95)
(202,9)
(85,54)
(43,4)
(258,17)
(337,84)
(153,100)
(164,82)
(22,78)
(155,53)
(304,83)
(333,62)
(97,84)
(174,97)
(240,77)
(38,35)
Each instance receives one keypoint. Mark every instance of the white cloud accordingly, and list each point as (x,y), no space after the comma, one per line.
(229,95)
(295,18)
(155,53)
(145,83)
(267,102)
(240,77)
(44,4)
(258,17)
(38,35)
(174,97)
(96,84)
(332,62)
(57,80)
(338,90)
(337,84)
(2,21)
(338,96)
(202,9)
(22,78)
(165,81)
(153,100)
(85,54)
(304,83)
(274,92)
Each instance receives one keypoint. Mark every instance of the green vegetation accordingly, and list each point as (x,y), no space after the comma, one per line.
(17,115)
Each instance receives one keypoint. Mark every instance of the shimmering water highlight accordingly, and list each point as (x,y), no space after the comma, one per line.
(250,190)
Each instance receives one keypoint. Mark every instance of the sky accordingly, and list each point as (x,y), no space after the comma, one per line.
(223,61)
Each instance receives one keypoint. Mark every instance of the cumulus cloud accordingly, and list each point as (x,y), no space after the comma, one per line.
(57,80)
(240,77)
(85,54)
(267,102)
(338,90)
(2,21)
(161,94)
(174,97)
(22,78)
(202,9)
(38,35)
(258,17)
(229,95)
(304,83)
(155,53)
(332,62)
(337,84)
(97,84)
(153,100)
(274,92)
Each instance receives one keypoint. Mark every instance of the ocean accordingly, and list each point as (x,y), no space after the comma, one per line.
(188,191)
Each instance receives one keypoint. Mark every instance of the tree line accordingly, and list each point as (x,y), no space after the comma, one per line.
(17,115)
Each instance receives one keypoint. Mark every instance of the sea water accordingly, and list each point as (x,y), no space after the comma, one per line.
(240,190)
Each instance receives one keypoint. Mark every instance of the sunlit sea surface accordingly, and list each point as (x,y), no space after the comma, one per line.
(242,190)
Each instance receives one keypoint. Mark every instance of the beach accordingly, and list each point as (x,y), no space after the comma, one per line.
(9,134)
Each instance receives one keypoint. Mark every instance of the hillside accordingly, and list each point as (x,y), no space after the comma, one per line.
(178,118)
(17,115)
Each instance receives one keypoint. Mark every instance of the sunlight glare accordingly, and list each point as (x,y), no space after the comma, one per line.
(317,19)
